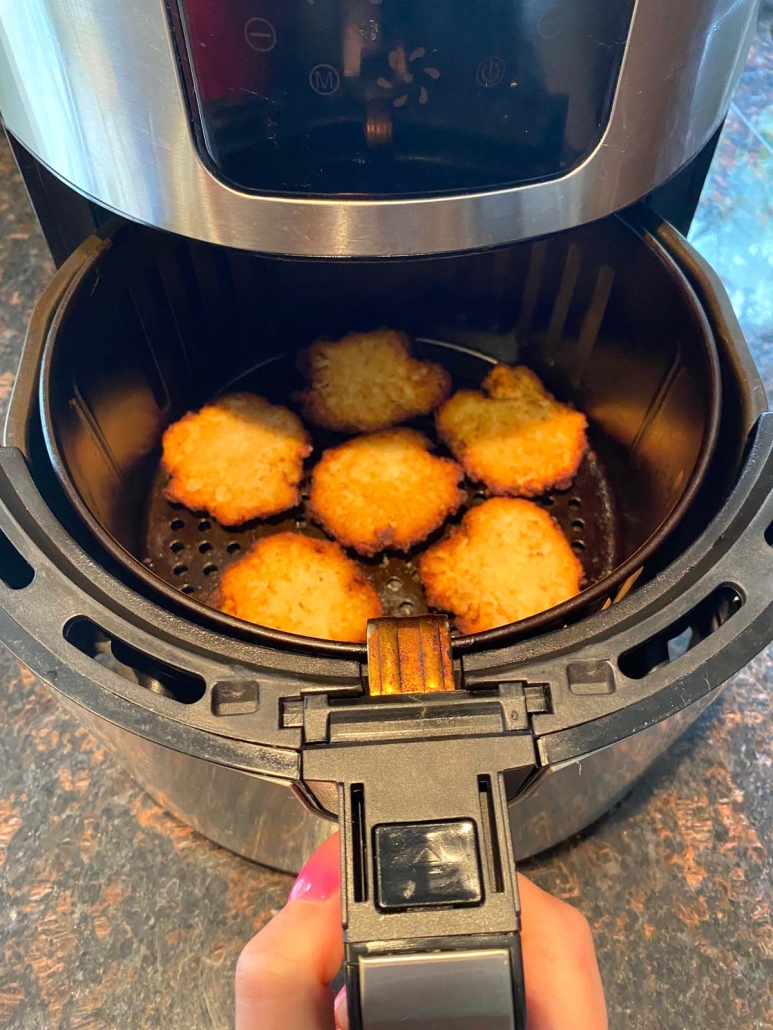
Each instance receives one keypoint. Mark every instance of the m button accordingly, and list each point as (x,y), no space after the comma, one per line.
(324,79)
(427,865)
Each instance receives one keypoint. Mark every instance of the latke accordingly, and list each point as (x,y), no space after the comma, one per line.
(384,491)
(367,382)
(299,585)
(507,560)
(237,459)
(514,436)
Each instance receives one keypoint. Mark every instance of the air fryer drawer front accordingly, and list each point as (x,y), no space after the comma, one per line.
(429,880)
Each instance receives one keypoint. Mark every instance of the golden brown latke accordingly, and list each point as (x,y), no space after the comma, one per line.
(238,458)
(507,560)
(366,382)
(383,491)
(299,585)
(519,440)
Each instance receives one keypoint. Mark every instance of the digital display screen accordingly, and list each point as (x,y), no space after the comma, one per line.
(408,97)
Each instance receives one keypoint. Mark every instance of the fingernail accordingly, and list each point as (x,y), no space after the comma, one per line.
(340,1010)
(320,878)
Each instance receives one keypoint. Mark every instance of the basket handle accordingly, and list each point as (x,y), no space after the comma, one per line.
(430,904)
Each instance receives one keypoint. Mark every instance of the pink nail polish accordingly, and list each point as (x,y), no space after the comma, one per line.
(340,1010)
(320,878)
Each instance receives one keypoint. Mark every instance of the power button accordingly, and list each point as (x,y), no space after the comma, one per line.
(490,72)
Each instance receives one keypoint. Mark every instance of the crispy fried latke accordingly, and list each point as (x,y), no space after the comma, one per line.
(383,491)
(366,382)
(238,458)
(507,560)
(300,585)
(519,440)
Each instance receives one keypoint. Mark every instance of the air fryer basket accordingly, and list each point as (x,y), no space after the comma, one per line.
(160,325)
(211,721)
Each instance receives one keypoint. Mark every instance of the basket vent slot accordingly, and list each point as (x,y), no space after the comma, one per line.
(15,571)
(682,636)
(150,672)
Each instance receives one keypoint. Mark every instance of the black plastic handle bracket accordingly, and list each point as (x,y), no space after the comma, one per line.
(430,903)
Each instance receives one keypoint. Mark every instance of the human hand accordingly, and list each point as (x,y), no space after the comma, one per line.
(283,974)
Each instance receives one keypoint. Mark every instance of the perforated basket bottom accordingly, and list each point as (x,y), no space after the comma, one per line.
(190,551)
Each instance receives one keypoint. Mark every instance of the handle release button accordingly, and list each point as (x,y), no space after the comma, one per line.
(427,865)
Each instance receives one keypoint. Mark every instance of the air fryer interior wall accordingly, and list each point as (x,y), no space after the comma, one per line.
(161,325)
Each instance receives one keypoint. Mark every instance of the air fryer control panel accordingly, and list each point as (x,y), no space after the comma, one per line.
(399,97)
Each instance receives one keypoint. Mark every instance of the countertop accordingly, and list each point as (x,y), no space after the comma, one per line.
(115,915)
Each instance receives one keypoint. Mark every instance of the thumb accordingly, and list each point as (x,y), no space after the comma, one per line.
(283,974)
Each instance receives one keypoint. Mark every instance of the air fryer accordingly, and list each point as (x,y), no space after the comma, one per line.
(469,169)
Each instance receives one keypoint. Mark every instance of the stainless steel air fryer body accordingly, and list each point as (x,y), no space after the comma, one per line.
(355,128)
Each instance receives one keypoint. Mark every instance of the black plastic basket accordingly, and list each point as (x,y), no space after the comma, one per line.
(155,325)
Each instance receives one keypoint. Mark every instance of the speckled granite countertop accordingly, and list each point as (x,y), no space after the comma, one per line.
(114,915)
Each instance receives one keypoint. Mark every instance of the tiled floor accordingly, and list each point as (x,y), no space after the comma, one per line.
(733,228)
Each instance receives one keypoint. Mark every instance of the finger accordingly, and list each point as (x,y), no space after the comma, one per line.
(563,984)
(283,974)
